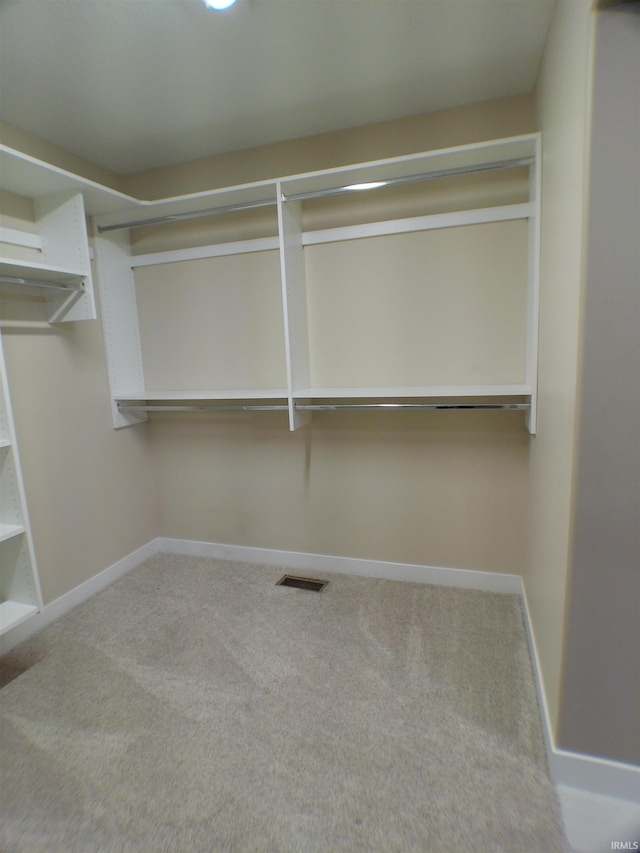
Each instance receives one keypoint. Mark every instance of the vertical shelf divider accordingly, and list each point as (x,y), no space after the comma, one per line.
(294,295)
(120,324)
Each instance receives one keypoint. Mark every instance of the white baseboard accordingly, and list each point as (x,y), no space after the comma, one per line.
(576,770)
(76,596)
(465,578)
(589,773)
(596,775)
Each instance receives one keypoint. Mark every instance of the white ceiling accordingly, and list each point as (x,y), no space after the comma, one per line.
(136,84)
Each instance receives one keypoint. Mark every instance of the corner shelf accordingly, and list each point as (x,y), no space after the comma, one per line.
(20,595)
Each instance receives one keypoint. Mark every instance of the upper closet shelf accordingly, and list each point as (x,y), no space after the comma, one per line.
(499,154)
(27,176)
(193,205)
(507,153)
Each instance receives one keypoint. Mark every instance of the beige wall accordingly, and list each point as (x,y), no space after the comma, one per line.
(563,100)
(475,123)
(442,489)
(600,709)
(89,489)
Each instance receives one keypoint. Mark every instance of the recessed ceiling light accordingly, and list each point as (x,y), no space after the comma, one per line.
(218,5)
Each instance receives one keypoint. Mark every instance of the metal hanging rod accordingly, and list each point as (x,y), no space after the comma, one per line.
(36,282)
(412,179)
(249,205)
(195,214)
(320,407)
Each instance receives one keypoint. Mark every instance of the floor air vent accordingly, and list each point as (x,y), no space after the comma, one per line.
(302,583)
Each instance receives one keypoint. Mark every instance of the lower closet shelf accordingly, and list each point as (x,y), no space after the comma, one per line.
(8,531)
(14,612)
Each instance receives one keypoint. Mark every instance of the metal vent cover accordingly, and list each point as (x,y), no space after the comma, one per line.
(311,584)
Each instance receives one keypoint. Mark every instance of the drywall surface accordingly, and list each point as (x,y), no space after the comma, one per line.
(21,140)
(89,488)
(440,488)
(601,678)
(563,107)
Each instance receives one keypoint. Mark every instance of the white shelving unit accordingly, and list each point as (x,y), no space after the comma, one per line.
(48,258)
(307,314)
(59,270)
(45,277)
(20,595)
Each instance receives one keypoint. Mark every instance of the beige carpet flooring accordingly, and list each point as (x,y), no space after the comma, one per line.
(196,706)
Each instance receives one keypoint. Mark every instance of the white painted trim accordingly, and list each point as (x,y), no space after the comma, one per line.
(586,772)
(76,596)
(466,578)
(430,222)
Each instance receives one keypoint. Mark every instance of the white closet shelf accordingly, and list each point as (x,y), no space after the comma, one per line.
(458,160)
(20,595)
(27,176)
(404,225)
(217,394)
(516,156)
(14,612)
(413,391)
(8,531)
